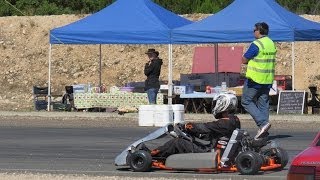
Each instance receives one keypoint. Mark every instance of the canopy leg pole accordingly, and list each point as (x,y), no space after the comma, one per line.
(170,84)
(100,65)
(293,66)
(216,68)
(100,69)
(49,79)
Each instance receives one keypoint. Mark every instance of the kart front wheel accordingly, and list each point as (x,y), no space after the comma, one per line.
(248,162)
(140,161)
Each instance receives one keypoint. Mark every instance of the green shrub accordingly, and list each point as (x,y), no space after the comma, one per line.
(48,7)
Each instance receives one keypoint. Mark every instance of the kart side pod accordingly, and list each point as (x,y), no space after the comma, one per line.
(210,160)
(192,161)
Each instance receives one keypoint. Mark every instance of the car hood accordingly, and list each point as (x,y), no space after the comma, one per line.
(308,157)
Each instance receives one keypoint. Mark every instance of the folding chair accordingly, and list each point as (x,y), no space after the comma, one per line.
(40,98)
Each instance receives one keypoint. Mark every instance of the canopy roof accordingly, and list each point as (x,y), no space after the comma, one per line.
(235,23)
(123,22)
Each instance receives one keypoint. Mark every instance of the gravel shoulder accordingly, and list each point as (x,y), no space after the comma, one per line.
(28,176)
(39,176)
(90,119)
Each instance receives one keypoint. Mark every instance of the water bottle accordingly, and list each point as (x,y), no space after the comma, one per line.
(89,87)
(223,86)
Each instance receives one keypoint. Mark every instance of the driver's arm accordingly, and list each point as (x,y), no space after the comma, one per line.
(221,127)
(205,128)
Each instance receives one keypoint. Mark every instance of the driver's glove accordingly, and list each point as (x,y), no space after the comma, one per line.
(188,126)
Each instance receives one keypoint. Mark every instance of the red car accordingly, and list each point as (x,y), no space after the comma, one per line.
(306,165)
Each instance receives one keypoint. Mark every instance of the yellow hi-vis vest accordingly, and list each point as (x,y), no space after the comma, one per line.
(261,68)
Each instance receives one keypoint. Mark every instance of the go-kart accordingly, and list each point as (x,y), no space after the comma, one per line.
(240,152)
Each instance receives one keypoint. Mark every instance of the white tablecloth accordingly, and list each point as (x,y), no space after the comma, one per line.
(198,95)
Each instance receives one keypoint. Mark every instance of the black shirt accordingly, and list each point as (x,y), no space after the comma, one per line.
(152,71)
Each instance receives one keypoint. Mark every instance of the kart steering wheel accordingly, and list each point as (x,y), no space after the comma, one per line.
(179,132)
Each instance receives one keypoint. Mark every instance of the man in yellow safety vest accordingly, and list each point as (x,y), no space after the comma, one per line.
(260,60)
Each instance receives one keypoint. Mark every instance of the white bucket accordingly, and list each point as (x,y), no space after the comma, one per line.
(146,115)
(178,113)
(163,115)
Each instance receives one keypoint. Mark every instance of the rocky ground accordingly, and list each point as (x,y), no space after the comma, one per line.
(24,60)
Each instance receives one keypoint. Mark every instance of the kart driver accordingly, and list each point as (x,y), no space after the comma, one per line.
(224,110)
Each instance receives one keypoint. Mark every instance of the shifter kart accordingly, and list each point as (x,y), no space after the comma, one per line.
(238,153)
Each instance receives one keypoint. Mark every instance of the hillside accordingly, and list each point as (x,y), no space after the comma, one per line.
(24,60)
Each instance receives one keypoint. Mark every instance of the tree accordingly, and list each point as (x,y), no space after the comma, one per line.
(47,7)
(207,7)
(5,9)
(28,7)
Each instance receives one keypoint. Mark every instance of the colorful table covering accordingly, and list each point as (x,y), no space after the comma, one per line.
(121,99)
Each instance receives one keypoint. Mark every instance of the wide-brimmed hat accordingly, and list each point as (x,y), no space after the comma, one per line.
(152,51)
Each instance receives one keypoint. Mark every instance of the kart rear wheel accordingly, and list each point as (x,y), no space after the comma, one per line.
(140,161)
(280,155)
(248,162)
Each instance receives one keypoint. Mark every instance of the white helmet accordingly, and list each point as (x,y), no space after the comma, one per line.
(225,102)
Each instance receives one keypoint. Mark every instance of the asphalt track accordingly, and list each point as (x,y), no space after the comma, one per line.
(92,151)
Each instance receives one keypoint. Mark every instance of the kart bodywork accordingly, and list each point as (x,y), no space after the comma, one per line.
(239,152)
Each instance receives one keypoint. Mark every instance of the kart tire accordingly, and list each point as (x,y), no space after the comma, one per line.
(140,161)
(248,162)
(281,156)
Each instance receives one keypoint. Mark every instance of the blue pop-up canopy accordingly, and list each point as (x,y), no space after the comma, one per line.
(123,22)
(235,23)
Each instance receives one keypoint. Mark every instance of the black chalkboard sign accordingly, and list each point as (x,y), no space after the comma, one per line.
(291,102)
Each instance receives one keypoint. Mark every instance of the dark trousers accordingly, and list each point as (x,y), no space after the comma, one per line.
(179,145)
